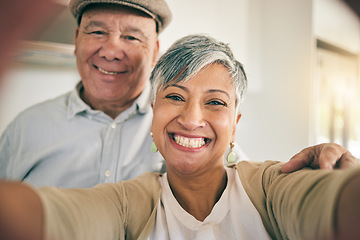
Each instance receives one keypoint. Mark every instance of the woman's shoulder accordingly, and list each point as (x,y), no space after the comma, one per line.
(249,168)
(144,186)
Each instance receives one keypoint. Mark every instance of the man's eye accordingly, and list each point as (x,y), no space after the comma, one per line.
(131,38)
(174,97)
(97,32)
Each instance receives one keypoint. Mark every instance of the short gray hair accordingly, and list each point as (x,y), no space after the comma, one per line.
(187,56)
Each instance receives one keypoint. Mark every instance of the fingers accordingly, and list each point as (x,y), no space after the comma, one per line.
(324,156)
(300,160)
(348,161)
(334,156)
(291,166)
(329,155)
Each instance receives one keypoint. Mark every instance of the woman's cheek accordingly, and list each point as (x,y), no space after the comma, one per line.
(224,121)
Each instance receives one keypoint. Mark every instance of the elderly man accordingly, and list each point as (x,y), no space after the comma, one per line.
(99,132)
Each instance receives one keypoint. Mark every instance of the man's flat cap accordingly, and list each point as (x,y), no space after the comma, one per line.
(157,9)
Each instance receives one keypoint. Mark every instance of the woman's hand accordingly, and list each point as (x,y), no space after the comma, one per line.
(323,156)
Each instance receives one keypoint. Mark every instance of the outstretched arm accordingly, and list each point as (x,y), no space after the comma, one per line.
(348,211)
(323,156)
(21,214)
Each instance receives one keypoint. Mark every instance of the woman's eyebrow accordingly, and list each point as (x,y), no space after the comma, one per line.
(218,91)
(208,91)
(176,85)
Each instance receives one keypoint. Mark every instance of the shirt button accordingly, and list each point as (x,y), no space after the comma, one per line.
(107,173)
(113,125)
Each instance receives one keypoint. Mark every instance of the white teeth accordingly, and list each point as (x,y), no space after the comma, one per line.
(189,142)
(106,72)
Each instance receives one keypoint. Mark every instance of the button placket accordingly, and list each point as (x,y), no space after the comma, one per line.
(107,173)
(110,152)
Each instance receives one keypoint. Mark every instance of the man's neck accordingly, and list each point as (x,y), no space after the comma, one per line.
(112,109)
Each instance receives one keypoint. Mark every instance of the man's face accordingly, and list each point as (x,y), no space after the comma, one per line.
(116,48)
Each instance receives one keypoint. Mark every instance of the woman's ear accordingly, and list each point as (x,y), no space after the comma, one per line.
(238,118)
(234,131)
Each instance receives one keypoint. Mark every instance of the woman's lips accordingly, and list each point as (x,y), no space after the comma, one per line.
(189,142)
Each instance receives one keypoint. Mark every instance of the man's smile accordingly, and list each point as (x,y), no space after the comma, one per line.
(106,72)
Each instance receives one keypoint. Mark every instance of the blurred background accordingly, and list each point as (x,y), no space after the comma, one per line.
(301,57)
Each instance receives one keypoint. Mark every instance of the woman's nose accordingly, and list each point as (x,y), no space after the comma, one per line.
(113,48)
(191,117)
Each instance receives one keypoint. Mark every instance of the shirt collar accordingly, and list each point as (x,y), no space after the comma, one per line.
(143,101)
(77,105)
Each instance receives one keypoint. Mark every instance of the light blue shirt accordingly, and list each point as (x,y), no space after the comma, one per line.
(63,142)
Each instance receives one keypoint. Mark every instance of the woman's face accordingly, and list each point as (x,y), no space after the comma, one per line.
(194,122)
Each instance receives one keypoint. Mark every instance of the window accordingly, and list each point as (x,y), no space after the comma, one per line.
(337,100)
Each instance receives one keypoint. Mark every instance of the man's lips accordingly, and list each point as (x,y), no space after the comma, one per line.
(103,71)
(190,142)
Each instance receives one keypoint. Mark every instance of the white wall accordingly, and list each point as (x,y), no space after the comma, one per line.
(275,122)
(272,38)
(227,22)
(26,85)
(336,23)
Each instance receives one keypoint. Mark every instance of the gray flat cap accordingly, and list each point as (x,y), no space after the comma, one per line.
(157,9)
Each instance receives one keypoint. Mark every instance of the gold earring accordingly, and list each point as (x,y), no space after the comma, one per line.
(231,157)
(153,146)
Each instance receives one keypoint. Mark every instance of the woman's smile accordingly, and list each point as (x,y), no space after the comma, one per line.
(189,142)
(192,142)
(195,120)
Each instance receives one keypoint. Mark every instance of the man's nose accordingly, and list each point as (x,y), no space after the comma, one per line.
(113,48)
(192,117)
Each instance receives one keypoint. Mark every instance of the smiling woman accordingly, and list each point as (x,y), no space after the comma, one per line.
(194,121)
(196,107)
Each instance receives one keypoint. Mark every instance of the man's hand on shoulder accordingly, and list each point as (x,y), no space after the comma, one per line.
(322,156)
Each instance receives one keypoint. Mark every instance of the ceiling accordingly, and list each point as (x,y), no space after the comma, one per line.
(62,27)
(59,29)
(355,5)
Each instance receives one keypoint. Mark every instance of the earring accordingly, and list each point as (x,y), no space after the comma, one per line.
(231,157)
(153,146)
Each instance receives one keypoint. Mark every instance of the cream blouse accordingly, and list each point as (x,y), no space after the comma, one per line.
(233,216)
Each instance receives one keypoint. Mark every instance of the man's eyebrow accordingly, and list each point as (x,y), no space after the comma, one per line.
(187,90)
(94,24)
(129,29)
(132,29)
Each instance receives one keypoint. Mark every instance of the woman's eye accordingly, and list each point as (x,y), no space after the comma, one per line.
(174,97)
(217,103)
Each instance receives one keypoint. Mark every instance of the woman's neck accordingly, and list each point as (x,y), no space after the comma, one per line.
(198,194)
